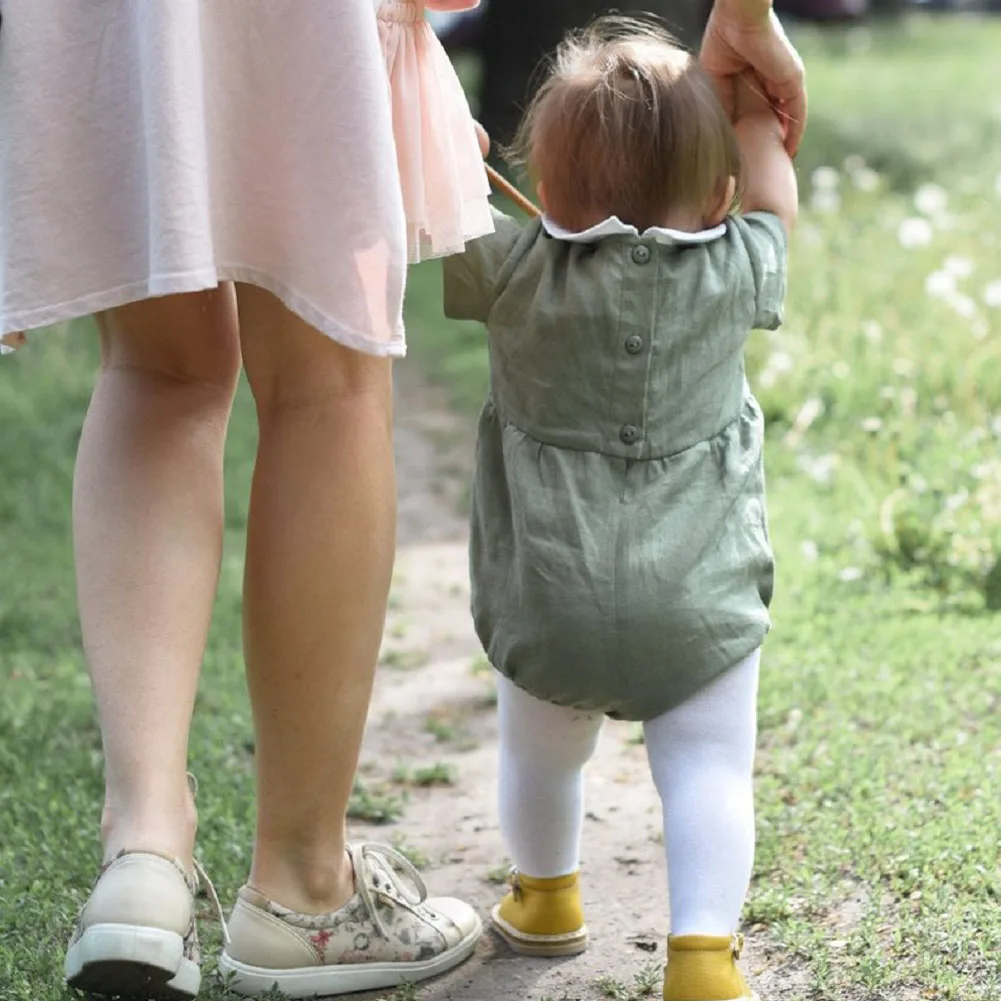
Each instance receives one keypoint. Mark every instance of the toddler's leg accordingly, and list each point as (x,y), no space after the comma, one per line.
(702,755)
(543,750)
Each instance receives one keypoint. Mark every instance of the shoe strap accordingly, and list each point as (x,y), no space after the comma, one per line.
(514,881)
(395,865)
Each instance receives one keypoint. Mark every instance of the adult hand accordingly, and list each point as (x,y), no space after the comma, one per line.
(741,35)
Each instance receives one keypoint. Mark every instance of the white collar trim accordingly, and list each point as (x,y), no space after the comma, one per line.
(614,226)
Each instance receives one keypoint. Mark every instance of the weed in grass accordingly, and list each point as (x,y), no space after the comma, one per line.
(499,874)
(440,728)
(405,992)
(417,858)
(441,773)
(374,804)
(404,660)
(399,629)
(480,666)
(445,726)
(645,984)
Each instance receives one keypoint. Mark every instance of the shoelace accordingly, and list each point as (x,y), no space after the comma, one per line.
(396,865)
(202,877)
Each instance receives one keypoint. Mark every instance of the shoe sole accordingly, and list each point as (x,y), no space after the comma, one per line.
(571,944)
(250,981)
(130,961)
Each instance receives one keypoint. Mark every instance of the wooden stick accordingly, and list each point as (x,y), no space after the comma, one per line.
(505,187)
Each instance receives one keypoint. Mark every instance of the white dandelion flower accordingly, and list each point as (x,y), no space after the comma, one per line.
(865,179)
(992,294)
(914,232)
(958,266)
(940,285)
(825,179)
(962,304)
(931,199)
(825,200)
(872,331)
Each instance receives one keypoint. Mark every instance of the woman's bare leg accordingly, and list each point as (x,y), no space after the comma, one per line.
(319,560)
(147,515)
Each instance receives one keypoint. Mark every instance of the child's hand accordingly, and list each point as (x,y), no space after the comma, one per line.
(10,342)
(482,138)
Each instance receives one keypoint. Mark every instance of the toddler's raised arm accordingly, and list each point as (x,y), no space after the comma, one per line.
(769,178)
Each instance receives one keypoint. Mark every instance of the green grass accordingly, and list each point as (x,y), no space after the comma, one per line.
(878,865)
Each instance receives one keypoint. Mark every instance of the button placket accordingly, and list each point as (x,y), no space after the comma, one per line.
(634,344)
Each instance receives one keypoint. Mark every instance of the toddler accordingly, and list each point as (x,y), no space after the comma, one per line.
(620,556)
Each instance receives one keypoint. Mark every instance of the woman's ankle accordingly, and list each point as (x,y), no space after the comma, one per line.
(301,880)
(166,828)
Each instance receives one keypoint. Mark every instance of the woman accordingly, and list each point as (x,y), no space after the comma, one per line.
(217,181)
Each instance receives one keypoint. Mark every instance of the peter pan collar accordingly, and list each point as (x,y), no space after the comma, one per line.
(614,226)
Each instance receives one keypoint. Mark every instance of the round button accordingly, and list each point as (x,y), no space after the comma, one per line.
(629,433)
(634,344)
(641,253)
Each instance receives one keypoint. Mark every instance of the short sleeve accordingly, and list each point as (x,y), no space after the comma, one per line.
(765,243)
(471,278)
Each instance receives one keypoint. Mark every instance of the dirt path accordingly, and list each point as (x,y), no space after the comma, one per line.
(434,704)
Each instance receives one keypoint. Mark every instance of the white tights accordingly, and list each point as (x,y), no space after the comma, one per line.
(701,756)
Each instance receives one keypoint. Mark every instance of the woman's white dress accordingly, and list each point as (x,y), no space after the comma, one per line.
(150,147)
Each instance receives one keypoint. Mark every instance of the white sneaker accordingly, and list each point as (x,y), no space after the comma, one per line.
(387,934)
(136,936)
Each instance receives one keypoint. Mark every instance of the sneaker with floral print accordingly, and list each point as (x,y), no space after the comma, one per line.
(388,933)
(136,935)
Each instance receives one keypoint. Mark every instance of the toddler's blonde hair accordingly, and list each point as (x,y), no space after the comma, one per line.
(627,123)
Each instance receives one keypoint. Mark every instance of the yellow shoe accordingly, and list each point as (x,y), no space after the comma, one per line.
(542,917)
(704,968)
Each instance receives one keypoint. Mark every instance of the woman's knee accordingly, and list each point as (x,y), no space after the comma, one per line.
(190,339)
(291,364)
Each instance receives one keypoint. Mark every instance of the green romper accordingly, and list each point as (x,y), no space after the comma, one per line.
(619,548)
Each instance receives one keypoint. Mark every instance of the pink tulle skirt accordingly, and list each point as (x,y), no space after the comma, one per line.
(445,188)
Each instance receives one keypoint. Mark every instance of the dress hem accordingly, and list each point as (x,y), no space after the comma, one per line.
(157,286)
